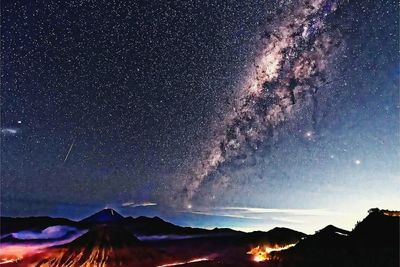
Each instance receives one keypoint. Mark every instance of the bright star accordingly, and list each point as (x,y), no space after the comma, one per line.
(308,134)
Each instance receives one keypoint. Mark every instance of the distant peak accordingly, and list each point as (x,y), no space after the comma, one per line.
(158,218)
(106,215)
(377,211)
(280,229)
(105,236)
(333,229)
(329,227)
(110,210)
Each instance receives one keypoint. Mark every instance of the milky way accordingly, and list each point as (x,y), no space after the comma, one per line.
(185,109)
(296,50)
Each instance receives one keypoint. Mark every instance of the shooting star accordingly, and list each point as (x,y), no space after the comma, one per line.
(69,151)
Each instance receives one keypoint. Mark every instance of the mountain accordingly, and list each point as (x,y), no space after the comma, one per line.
(277,235)
(374,242)
(377,239)
(141,226)
(145,226)
(102,245)
(379,228)
(330,235)
(105,216)
(151,226)
(106,238)
(227,247)
(327,245)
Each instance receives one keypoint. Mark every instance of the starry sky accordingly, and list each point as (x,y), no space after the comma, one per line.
(244,114)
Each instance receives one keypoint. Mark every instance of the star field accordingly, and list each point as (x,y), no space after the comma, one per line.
(132,85)
(112,102)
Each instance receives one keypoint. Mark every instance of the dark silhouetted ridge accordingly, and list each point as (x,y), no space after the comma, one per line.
(104,245)
(105,216)
(106,236)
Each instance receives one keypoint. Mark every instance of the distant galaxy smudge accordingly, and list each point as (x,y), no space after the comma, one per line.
(9,131)
(292,64)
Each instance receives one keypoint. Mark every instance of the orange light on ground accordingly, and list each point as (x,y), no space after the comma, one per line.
(6,260)
(11,253)
(15,251)
(392,213)
(184,262)
(262,253)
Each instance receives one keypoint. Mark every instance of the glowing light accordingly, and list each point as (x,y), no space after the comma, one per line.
(5,261)
(16,252)
(392,213)
(184,262)
(309,134)
(9,131)
(189,206)
(8,252)
(263,253)
(357,162)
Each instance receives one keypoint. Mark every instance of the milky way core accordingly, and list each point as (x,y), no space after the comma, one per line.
(294,56)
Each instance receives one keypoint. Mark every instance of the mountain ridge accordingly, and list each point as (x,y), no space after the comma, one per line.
(112,240)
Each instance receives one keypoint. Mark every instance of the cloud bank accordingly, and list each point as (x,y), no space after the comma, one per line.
(52,232)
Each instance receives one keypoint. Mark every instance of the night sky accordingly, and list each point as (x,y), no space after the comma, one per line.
(244,114)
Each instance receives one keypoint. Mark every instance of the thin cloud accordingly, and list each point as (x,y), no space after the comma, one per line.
(136,204)
(288,220)
(315,212)
(225,215)
(261,213)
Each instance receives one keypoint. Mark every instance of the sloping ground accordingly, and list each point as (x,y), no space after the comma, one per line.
(114,245)
(278,235)
(146,226)
(140,226)
(327,247)
(375,240)
(156,226)
(228,250)
(100,246)
(105,236)
(102,217)
(373,243)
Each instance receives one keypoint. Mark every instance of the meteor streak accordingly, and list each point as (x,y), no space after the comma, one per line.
(69,151)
